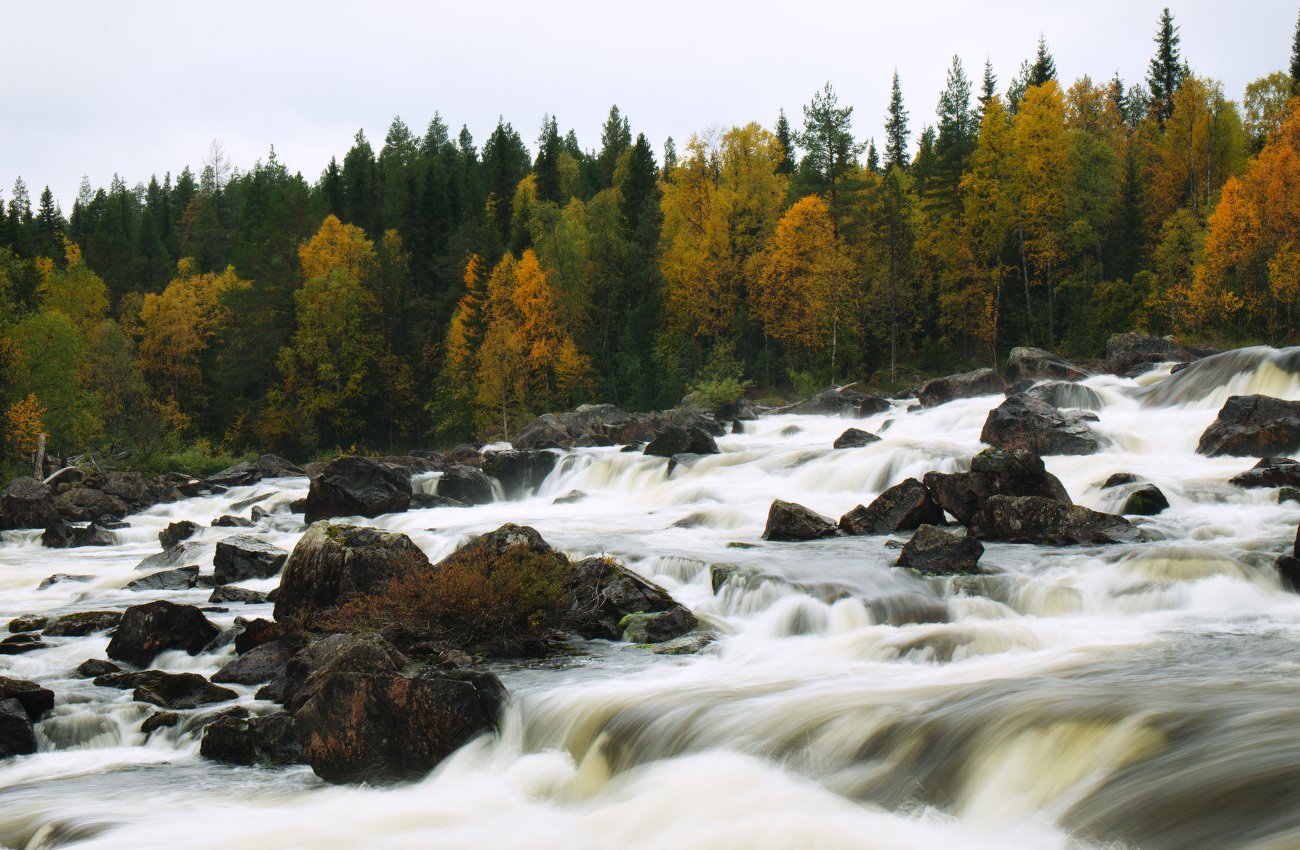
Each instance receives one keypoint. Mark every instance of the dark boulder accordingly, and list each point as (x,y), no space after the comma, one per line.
(675,440)
(268,740)
(355,486)
(34,699)
(908,504)
(1254,426)
(1034,519)
(1146,500)
(1127,351)
(559,430)
(258,665)
(841,402)
(1288,570)
(468,484)
(231,593)
(340,653)
(241,557)
(333,563)
(854,438)
(1288,494)
(149,629)
(1270,472)
(520,472)
(79,504)
(1037,364)
(168,690)
(178,531)
(20,644)
(993,472)
(228,521)
(253,471)
(657,627)
(63,535)
(93,667)
(790,522)
(190,551)
(27,503)
(602,593)
(181,578)
(1119,479)
(1022,422)
(60,578)
(17,737)
(136,490)
(933,551)
(966,385)
(254,633)
(83,623)
(28,623)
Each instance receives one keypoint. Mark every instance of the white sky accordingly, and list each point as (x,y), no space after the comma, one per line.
(139,87)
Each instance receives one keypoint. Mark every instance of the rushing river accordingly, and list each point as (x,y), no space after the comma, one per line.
(1143,696)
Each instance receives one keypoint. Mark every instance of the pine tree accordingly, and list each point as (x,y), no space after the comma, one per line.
(786,138)
(1167,69)
(830,151)
(896,131)
(956,134)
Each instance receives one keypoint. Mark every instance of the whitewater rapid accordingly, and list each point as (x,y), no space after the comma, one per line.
(1075,697)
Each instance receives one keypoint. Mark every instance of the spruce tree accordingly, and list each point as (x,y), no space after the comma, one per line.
(830,151)
(786,138)
(1167,69)
(1044,67)
(956,135)
(873,157)
(988,88)
(670,159)
(615,137)
(49,226)
(547,165)
(896,131)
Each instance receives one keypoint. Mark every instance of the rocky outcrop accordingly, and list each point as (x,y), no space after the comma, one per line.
(520,472)
(168,690)
(252,471)
(993,472)
(675,440)
(181,578)
(266,741)
(228,521)
(27,503)
(230,593)
(92,667)
(966,385)
(845,402)
(1022,422)
(908,504)
(28,623)
(83,623)
(242,557)
(64,535)
(178,531)
(22,643)
(657,627)
(1034,519)
(788,521)
(355,486)
(1037,364)
(1269,472)
(603,593)
(1253,426)
(79,503)
(1127,351)
(605,425)
(333,563)
(468,484)
(34,699)
(146,630)
(260,664)
(854,438)
(1146,500)
(933,551)
(17,736)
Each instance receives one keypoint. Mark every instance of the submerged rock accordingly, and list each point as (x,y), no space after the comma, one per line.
(933,551)
(355,486)
(787,521)
(908,504)
(149,629)
(1022,422)
(1254,426)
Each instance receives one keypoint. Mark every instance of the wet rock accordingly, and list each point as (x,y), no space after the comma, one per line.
(1128,351)
(467,484)
(1037,364)
(22,643)
(355,486)
(675,441)
(657,627)
(34,699)
(605,425)
(333,563)
(1022,422)
(520,472)
(168,690)
(902,609)
(298,506)
(908,504)
(178,531)
(258,513)
(1119,479)
(258,665)
(1288,570)
(841,402)
(254,633)
(854,438)
(64,535)
(1253,425)
(160,720)
(789,521)
(149,629)
(79,504)
(1034,519)
(315,662)
(60,578)
(1065,395)
(27,503)
(602,593)
(993,471)
(230,593)
(181,578)
(253,471)
(83,623)
(93,667)
(384,726)
(269,740)
(28,623)
(186,553)
(17,737)
(1146,500)
(228,521)
(933,551)
(569,498)
(1270,472)
(428,500)
(242,557)
(1288,494)
(136,490)
(966,385)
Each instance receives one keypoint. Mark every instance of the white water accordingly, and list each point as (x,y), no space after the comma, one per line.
(1116,696)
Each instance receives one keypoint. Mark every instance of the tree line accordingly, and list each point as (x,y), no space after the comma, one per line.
(438,289)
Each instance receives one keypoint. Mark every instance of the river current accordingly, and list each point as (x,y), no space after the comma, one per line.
(1127,696)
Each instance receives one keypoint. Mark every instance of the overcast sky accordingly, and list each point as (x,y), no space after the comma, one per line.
(139,88)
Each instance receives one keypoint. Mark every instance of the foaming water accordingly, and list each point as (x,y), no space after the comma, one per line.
(1127,696)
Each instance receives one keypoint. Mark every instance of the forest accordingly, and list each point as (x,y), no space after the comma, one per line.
(438,290)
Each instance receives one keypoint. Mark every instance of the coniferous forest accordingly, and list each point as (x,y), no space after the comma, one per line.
(435,287)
